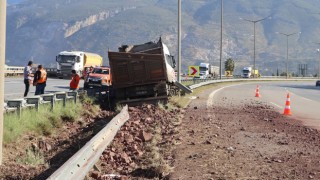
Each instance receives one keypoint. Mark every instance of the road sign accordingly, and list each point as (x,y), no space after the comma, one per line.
(228,73)
(194,71)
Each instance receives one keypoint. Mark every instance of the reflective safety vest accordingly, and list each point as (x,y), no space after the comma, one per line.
(74,83)
(43,77)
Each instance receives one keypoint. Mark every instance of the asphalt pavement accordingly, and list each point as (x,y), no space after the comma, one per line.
(304,97)
(14,87)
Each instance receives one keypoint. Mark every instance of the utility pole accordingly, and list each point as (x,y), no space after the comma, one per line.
(179,41)
(254,41)
(318,73)
(221,33)
(3,14)
(287,48)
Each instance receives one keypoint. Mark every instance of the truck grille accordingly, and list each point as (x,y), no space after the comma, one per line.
(66,69)
(94,81)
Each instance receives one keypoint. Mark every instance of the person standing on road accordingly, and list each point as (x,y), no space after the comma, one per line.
(40,80)
(74,83)
(27,74)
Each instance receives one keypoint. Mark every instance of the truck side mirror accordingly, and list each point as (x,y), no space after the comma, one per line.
(56,58)
(78,59)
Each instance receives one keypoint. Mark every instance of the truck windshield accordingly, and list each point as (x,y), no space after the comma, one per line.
(100,71)
(203,68)
(170,60)
(245,71)
(66,59)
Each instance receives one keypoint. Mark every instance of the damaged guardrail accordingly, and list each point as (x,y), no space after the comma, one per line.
(78,166)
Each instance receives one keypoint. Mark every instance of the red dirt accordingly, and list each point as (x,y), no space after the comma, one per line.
(252,141)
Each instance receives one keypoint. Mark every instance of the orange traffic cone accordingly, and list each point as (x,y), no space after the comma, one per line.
(287,110)
(257,91)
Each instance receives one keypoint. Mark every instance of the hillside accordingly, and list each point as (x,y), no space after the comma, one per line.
(38,30)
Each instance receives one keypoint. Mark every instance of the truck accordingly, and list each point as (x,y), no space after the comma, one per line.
(208,71)
(143,71)
(99,77)
(248,72)
(76,60)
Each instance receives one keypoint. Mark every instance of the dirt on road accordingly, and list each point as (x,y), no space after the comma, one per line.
(248,141)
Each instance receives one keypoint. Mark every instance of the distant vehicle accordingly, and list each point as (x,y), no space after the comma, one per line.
(247,72)
(99,77)
(318,83)
(75,60)
(208,71)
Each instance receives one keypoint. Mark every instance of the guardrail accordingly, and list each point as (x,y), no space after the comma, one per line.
(19,70)
(35,101)
(80,163)
(197,85)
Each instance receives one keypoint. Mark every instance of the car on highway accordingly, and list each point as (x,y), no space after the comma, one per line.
(318,83)
(99,77)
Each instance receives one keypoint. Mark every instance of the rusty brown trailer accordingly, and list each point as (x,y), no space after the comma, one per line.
(134,69)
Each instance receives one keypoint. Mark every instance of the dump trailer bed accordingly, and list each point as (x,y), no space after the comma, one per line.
(136,75)
(134,69)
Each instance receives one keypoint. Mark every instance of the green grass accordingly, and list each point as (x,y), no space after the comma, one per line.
(31,158)
(44,122)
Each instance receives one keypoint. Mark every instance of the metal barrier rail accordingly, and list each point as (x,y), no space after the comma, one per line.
(197,85)
(78,166)
(35,101)
(18,71)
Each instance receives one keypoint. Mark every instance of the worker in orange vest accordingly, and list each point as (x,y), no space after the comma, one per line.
(40,80)
(74,83)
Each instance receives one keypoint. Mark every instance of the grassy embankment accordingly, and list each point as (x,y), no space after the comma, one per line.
(44,122)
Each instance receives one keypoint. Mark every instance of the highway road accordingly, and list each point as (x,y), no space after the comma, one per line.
(304,97)
(14,87)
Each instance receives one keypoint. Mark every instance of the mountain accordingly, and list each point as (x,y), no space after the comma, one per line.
(38,30)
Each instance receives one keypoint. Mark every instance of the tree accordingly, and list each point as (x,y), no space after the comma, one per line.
(229,65)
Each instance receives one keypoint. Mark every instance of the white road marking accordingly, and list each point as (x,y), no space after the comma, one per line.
(210,98)
(302,97)
(280,107)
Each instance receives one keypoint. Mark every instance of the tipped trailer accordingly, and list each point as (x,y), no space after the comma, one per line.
(143,72)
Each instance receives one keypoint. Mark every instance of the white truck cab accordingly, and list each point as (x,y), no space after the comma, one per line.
(246,72)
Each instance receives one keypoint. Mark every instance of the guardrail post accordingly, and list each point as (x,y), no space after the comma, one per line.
(50,98)
(19,111)
(73,94)
(34,100)
(62,96)
(16,103)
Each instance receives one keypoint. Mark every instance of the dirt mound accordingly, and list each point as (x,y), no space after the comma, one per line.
(143,146)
